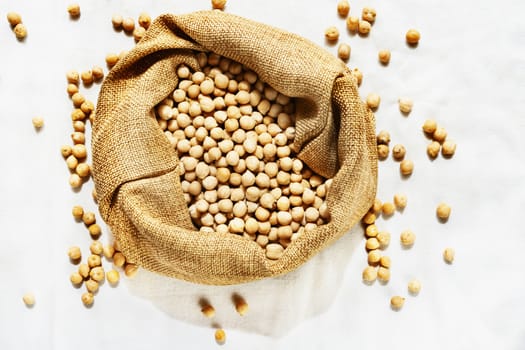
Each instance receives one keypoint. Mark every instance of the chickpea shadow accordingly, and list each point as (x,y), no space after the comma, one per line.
(276,305)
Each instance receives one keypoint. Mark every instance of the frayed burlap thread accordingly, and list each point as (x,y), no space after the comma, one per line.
(135,169)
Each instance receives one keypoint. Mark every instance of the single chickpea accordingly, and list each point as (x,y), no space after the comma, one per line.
(369,218)
(117,21)
(83,170)
(108,251)
(77,212)
(96,248)
(412,37)
(414,286)
(97,274)
(74,10)
(130,270)
(113,276)
(405,105)
(439,135)
(38,122)
(29,299)
(112,59)
(372,243)
(448,255)
(98,73)
(443,211)
(218,4)
(87,299)
(398,152)
(400,201)
(343,51)
(433,149)
(373,100)
(385,261)
(429,126)
(94,261)
(87,77)
(371,231)
(383,237)
(369,274)
(79,151)
(383,137)
(144,20)
(138,33)
(388,209)
(406,167)
(364,27)
(220,335)
(352,24)
(74,253)
(208,311)
(448,148)
(118,259)
(14,18)
(274,251)
(368,14)
(240,305)
(331,34)
(382,152)
(128,24)
(384,56)
(407,238)
(343,8)
(383,274)
(20,31)
(374,256)
(83,270)
(76,278)
(397,302)
(88,218)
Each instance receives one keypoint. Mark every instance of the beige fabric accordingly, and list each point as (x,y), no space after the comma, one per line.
(135,168)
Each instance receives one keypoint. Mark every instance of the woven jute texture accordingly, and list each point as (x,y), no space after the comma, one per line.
(135,169)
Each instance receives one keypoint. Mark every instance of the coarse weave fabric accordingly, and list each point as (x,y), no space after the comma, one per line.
(135,169)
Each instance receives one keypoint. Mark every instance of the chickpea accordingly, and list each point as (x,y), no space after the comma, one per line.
(369,218)
(383,137)
(220,335)
(343,8)
(83,270)
(448,148)
(385,261)
(405,105)
(208,311)
(448,255)
(400,201)
(382,152)
(352,24)
(384,56)
(74,253)
(429,126)
(94,261)
(88,218)
(407,238)
(29,299)
(130,270)
(241,306)
(343,52)
(433,149)
(113,276)
(373,100)
(397,302)
(368,14)
(412,37)
(372,243)
(20,31)
(96,248)
(406,167)
(117,21)
(443,211)
(97,274)
(274,251)
(383,237)
(414,286)
(383,274)
(108,251)
(144,20)
(331,34)
(369,274)
(128,24)
(218,4)
(374,256)
(14,19)
(398,152)
(388,209)
(364,27)
(74,10)
(118,259)
(87,299)
(439,135)
(371,231)
(76,278)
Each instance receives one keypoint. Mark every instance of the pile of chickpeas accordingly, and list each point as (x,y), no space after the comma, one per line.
(239,172)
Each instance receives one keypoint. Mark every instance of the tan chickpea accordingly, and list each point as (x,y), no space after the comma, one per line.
(128,24)
(369,274)
(74,10)
(376,207)
(113,276)
(374,256)
(20,31)
(371,231)
(398,152)
(88,218)
(112,59)
(382,152)
(208,311)
(400,201)
(83,169)
(94,261)
(433,149)
(384,56)
(383,137)
(412,37)
(220,335)
(87,299)
(38,122)
(385,261)
(29,299)
(405,105)
(96,248)
(79,151)
(388,209)
(76,278)
(372,243)
(343,8)
(117,21)
(98,74)
(87,77)
(368,14)
(130,270)
(138,33)
(343,51)
(407,238)
(108,251)
(352,24)
(397,302)
(274,251)
(331,34)
(118,259)
(83,270)
(74,253)
(439,135)
(364,27)
(429,126)
(448,148)
(241,306)
(14,18)
(369,218)
(97,274)
(414,286)
(383,237)
(373,100)
(448,255)
(443,211)
(144,20)
(383,274)
(406,167)
(218,4)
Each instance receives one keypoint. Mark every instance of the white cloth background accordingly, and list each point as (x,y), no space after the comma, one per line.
(468,73)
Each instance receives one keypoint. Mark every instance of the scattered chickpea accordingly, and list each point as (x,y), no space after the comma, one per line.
(96,248)
(117,21)
(382,152)
(373,100)
(76,278)
(241,306)
(138,33)
(372,243)
(343,8)
(94,261)
(407,238)
(398,152)
(443,211)
(369,218)
(38,122)
(374,256)
(383,237)
(73,77)
(218,4)
(97,274)
(98,75)
(448,148)
(87,299)
(29,299)
(397,302)
(208,311)
(220,336)
(343,51)
(368,14)
(144,20)
(433,149)
(113,276)
(364,27)
(388,209)
(83,270)
(87,77)
(108,251)
(14,19)
(405,105)
(331,34)
(414,286)
(128,24)
(118,259)
(412,37)
(385,261)
(448,255)
(430,126)
(352,24)
(383,274)
(20,31)
(130,270)
(383,137)
(406,167)
(369,274)
(356,73)
(439,135)
(74,10)
(88,218)
(400,201)
(384,56)
(111,59)
(74,253)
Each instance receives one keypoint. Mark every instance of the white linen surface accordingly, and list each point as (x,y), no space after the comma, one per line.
(468,73)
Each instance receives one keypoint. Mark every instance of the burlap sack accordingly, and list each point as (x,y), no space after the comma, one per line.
(135,168)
